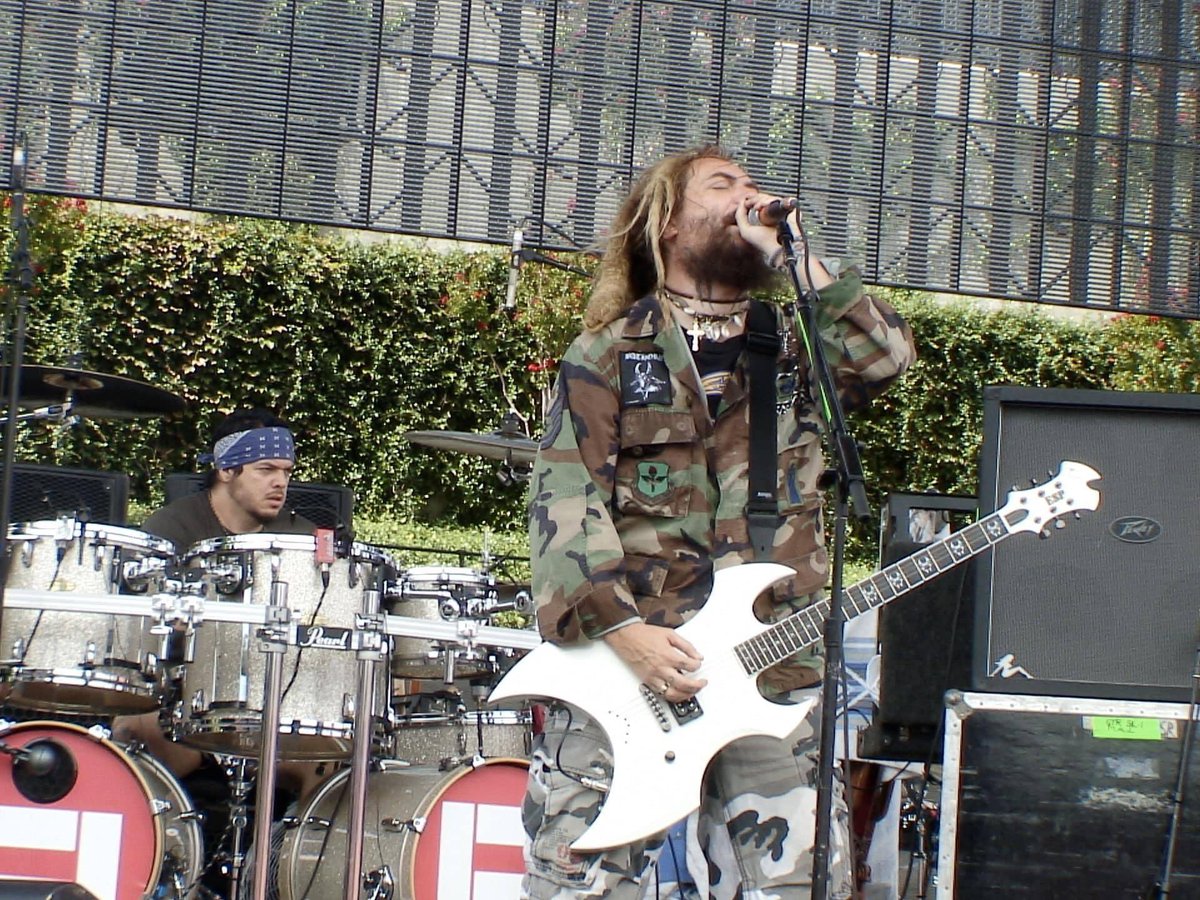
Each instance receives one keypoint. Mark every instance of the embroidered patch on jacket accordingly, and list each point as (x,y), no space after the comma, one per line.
(653,478)
(645,379)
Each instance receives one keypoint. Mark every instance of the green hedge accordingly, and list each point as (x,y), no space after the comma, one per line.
(359,342)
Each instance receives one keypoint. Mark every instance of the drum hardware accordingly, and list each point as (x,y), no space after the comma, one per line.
(371,651)
(380,883)
(241,783)
(273,642)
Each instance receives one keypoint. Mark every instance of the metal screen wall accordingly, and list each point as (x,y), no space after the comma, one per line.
(1011,148)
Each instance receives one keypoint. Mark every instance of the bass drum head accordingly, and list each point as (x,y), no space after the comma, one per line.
(469,843)
(101,832)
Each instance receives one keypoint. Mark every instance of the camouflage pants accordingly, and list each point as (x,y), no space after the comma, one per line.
(751,837)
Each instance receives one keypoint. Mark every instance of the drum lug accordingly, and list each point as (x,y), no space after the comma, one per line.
(316,822)
(18,649)
(198,703)
(89,655)
(392,824)
(348,707)
(158,807)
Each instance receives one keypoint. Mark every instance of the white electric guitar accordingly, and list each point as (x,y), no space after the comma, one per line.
(661,749)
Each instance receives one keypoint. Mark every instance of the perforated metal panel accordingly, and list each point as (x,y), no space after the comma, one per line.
(1014,148)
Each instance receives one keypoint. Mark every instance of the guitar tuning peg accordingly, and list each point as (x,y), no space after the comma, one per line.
(1060,524)
(1044,533)
(1078,515)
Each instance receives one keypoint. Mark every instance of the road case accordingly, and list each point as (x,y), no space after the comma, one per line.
(1064,797)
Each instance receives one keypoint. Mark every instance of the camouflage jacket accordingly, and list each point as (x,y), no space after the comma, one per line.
(638,495)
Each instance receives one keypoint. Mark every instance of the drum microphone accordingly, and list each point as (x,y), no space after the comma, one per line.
(44,771)
(773,213)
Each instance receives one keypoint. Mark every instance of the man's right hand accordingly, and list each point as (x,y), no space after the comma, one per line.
(660,657)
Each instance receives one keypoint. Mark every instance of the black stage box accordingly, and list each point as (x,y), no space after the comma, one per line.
(1064,798)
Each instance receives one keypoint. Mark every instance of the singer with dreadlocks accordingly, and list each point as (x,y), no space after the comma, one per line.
(639,496)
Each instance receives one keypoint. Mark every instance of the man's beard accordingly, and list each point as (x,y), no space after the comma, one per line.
(724,259)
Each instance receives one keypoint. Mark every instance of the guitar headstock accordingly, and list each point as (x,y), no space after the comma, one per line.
(1067,491)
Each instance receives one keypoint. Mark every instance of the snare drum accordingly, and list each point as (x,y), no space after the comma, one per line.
(122,829)
(75,662)
(224,681)
(441,593)
(442,834)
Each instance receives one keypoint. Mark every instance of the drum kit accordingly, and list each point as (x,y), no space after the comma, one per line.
(258,649)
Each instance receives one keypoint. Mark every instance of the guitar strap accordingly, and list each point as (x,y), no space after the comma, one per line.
(762,508)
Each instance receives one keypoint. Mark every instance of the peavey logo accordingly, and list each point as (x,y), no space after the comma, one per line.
(328,638)
(1135,529)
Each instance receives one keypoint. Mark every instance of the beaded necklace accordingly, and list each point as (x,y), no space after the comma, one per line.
(710,326)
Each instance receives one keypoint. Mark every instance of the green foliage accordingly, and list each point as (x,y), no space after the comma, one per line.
(359,343)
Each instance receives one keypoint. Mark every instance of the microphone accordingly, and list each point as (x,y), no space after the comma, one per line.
(44,770)
(514,269)
(774,212)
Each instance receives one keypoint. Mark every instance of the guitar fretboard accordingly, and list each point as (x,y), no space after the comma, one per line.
(804,628)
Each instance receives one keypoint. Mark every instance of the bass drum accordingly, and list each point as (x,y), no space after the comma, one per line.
(116,824)
(439,834)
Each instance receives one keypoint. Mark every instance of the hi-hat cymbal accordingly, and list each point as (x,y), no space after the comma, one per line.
(92,394)
(498,445)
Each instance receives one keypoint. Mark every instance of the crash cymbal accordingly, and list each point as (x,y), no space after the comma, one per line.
(92,394)
(513,448)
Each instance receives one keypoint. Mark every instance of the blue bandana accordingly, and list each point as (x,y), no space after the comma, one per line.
(244,447)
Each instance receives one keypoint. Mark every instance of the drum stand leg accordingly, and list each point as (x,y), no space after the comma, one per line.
(274,645)
(237,823)
(371,651)
(360,769)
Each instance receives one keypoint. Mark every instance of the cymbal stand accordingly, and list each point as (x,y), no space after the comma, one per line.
(21,276)
(274,639)
(241,780)
(371,649)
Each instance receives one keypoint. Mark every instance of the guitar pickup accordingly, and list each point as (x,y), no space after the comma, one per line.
(686,710)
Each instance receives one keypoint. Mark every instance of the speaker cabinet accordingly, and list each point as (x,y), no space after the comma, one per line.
(325,505)
(924,636)
(47,492)
(1108,607)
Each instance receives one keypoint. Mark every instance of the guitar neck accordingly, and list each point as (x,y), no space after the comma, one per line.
(806,627)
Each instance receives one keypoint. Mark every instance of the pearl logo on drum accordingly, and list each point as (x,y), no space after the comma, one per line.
(327,638)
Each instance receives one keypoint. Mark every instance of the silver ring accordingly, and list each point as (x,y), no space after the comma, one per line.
(752,217)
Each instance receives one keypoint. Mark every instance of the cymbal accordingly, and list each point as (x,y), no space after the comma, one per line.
(92,394)
(512,448)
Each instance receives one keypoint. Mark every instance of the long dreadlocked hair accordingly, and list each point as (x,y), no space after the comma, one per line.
(633,264)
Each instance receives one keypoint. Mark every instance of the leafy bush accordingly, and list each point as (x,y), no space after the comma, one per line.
(358,343)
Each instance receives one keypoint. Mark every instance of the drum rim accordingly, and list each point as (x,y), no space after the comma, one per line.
(265,541)
(125,537)
(481,576)
(7,728)
(185,819)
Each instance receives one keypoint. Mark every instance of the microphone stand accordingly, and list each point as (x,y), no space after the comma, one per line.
(851,493)
(1162,887)
(528,254)
(21,278)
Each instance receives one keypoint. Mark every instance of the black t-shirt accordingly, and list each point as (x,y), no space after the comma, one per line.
(191,519)
(715,361)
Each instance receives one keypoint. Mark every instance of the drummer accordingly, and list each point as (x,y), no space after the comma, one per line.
(253,455)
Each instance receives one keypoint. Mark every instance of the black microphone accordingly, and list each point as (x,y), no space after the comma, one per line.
(44,771)
(514,269)
(774,212)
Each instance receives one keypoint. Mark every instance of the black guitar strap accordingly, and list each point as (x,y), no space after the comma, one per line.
(762,508)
